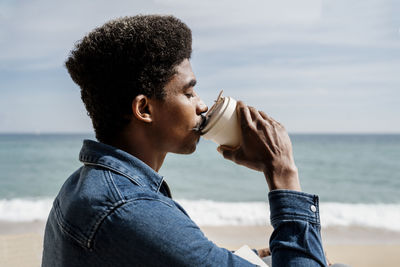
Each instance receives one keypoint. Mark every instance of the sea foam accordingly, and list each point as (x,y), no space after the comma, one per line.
(23,210)
(215,213)
(206,212)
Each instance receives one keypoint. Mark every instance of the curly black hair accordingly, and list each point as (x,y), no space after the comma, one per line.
(122,59)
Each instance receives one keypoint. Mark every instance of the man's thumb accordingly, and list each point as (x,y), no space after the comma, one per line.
(227,152)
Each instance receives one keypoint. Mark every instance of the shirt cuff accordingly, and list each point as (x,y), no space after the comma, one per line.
(288,205)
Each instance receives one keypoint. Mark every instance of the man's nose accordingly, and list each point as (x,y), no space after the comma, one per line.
(201,107)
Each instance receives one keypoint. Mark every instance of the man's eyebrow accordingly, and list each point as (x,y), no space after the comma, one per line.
(192,83)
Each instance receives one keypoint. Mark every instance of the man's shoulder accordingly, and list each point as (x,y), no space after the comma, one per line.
(92,193)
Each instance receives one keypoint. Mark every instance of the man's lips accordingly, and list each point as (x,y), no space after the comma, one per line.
(200,125)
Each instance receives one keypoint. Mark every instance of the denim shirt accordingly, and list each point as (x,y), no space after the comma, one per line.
(117,211)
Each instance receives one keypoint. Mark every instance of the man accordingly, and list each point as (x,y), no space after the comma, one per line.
(138,88)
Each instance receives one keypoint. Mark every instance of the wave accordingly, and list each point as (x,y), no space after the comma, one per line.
(206,212)
(215,213)
(23,210)
(386,216)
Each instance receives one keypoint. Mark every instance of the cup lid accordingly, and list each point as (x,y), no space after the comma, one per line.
(215,112)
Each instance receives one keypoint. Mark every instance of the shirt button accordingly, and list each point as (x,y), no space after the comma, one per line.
(313,208)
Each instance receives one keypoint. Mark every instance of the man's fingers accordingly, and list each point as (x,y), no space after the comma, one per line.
(270,119)
(244,114)
(264,252)
(227,152)
(265,116)
(254,113)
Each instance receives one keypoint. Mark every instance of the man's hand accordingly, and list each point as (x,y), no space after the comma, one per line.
(265,146)
(264,252)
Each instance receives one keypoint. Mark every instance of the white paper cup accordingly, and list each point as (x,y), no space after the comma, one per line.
(222,124)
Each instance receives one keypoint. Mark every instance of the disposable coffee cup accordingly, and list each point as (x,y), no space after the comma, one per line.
(221,122)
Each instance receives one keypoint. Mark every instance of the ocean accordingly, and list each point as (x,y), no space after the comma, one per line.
(357,177)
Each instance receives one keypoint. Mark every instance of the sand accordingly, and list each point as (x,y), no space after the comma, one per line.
(21,243)
(355,246)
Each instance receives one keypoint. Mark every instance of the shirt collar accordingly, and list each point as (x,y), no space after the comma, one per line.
(99,154)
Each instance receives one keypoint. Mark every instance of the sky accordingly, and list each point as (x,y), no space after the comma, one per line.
(316,66)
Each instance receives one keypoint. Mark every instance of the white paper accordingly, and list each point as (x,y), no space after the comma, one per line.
(246,253)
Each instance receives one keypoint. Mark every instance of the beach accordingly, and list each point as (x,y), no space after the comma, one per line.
(355,246)
(357,179)
(21,243)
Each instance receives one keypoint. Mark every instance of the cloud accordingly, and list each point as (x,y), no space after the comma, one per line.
(227,14)
(46,30)
(301,60)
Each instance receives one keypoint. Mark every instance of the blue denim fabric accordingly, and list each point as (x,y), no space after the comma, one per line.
(116,211)
(296,240)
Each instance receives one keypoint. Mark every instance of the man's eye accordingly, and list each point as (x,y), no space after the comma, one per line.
(189,95)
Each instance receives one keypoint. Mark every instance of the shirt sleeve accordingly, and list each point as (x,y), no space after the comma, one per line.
(296,239)
(150,232)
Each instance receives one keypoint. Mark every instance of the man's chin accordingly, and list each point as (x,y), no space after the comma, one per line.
(192,148)
(189,148)
(190,151)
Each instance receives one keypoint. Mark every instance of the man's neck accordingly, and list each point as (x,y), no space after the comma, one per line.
(141,148)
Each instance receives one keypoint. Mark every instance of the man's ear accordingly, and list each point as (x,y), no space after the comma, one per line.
(141,108)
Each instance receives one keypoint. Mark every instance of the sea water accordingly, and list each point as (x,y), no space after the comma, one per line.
(357,178)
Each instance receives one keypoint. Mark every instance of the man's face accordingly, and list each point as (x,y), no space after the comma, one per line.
(178,113)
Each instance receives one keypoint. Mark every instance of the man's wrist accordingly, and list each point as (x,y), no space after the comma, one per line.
(283,178)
